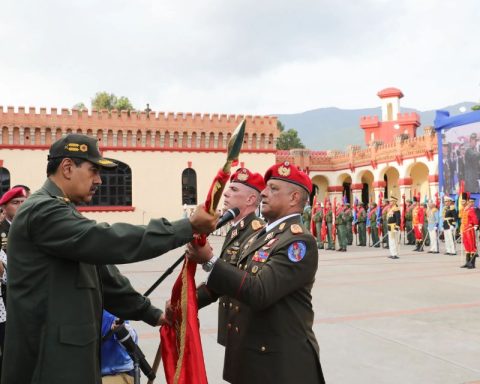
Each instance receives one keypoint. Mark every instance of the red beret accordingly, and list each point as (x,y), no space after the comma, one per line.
(12,194)
(288,172)
(252,180)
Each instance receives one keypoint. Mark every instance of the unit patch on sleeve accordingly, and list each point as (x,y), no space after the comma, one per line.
(297,251)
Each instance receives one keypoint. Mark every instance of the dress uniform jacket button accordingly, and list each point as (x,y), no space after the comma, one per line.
(224,304)
(263,348)
(231,305)
(236,329)
(240,266)
(229,325)
(237,308)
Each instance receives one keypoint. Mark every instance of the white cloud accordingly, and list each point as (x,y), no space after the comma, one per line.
(239,56)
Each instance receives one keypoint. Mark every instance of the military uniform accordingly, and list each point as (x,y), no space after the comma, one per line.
(349,224)
(385,209)
(230,253)
(418,219)
(409,226)
(469,221)
(340,224)
(307,216)
(361,226)
(318,219)
(449,223)
(269,335)
(329,221)
(393,222)
(58,284)
(374,228)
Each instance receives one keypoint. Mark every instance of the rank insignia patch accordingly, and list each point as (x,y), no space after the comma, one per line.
(296,229)
(297,251)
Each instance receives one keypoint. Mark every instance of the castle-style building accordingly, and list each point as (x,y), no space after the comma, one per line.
(167,160)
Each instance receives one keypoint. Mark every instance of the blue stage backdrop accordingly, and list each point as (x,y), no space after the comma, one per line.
(458,152)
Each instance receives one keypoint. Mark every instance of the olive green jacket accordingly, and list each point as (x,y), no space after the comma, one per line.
(270,337)
(236,236)
(58,284)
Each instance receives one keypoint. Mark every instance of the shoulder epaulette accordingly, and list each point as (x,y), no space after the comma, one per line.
(65,200)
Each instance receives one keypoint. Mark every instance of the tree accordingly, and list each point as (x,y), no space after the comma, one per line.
(280,126)
(289,140)
(80,106)
(105,100)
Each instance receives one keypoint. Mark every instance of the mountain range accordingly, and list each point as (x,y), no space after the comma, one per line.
(335,128)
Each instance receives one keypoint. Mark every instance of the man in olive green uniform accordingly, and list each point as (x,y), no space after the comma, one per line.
(340,223)
(270,337)
(242,193)
(362,225)
(373,225)
(318,219)
(349,223)
(307,216)
(425,236)
(58,278)
(408,223)
(329,221)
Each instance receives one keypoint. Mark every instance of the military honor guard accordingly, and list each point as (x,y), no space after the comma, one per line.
(243,193)
(10,202)
(349,223)
(270,337)
(469,227)
(433,222)
(318,219)
(393,223)
(449,222)
(385,209)
(410,236)
(373,225)
(418,219)
(362,225)
(341,225)
(329,220)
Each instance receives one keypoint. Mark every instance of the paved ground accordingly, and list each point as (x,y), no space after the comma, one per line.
(412,320)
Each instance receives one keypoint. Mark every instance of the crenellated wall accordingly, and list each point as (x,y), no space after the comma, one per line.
(135,130)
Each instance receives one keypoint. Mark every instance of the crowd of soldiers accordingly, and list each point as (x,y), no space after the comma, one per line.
(414,223)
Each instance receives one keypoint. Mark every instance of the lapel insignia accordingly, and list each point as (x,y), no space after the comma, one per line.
(296,229)
(282,226)
(242,224)
(256,225)
(248,243)
(255,269)
(269,236)
(236,244)
(270,243)
(234,233)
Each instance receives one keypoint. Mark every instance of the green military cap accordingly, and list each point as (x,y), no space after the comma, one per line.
(79,147)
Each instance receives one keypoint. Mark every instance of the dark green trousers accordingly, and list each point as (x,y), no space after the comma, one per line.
(362,233)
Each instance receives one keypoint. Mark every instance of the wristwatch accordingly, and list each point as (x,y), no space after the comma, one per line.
(208,266)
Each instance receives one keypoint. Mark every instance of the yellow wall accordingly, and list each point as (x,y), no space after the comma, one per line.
(156,178)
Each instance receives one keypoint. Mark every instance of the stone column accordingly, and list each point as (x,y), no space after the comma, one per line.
(405,186)
(378,187)
(356,192)
(433,186)
(335,192)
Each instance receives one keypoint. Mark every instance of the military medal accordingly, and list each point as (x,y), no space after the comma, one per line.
(255,269)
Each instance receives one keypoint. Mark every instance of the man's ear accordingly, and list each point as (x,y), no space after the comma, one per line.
(66,168)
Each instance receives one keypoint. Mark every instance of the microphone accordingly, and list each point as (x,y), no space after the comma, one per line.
(124,338)
(227,216)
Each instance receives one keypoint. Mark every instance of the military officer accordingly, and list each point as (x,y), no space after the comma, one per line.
(307,215)
(449,222)
(59,278)
(426,241)
(318,220)
(408,223)
(329,222)
(10,202)
(373,225)
(418,219)
(340,224)
(362,228)
(393,223)
(349,223)
(385,209)
(242,193)
(469,226)
(270,337)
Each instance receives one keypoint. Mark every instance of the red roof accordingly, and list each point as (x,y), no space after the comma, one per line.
(390,92)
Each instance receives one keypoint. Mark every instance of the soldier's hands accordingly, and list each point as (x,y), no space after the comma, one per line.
(199,254)
(202,222)
(162,320)
(168,311)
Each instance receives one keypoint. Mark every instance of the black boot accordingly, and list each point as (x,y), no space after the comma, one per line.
(467,260)
(471,264)
(417,246)
(420,246)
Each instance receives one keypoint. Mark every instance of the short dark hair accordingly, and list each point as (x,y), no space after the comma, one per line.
(53,164)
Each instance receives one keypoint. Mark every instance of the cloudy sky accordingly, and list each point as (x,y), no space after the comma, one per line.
(253,57)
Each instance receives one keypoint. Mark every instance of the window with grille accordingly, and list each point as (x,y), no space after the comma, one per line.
(116,188)
(189,187)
